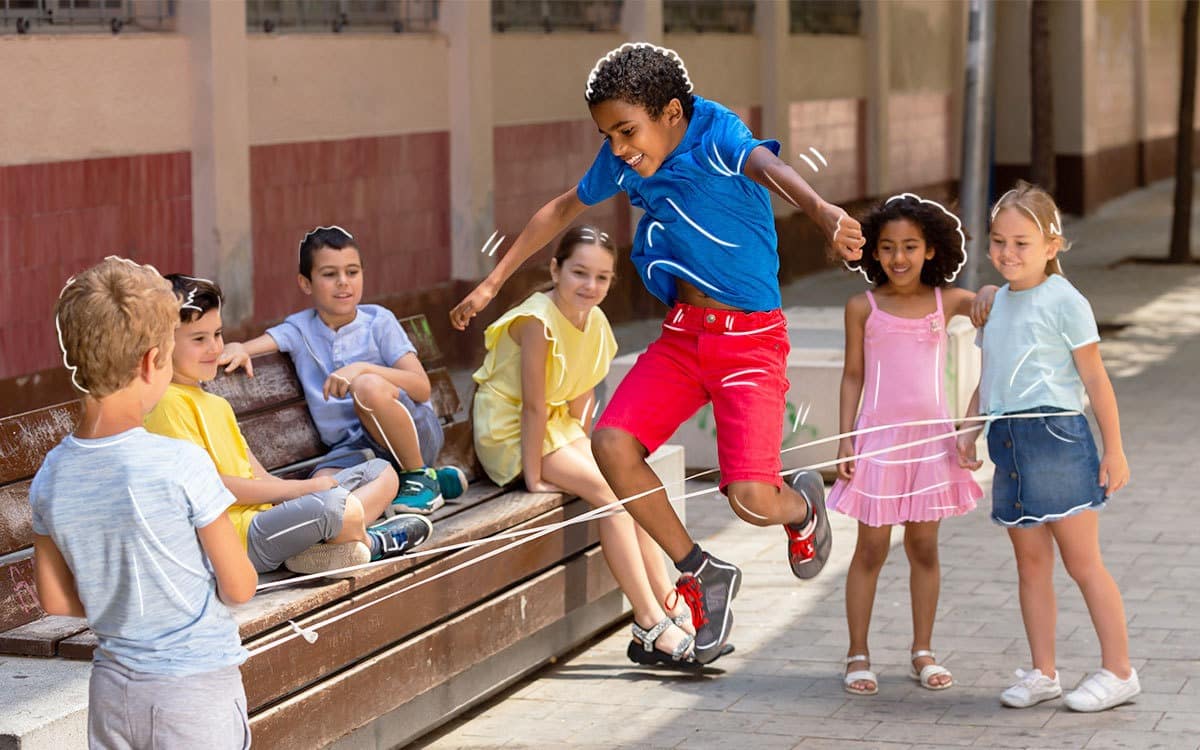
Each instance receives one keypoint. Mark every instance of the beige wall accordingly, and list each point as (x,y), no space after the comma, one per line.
(541,77)
(922,47)
(723,67)
(827,67)
(306,87)
(81,96)
(1110,90)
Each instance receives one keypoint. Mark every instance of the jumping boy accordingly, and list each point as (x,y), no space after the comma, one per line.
(131,531)
(706,246)
(363,383)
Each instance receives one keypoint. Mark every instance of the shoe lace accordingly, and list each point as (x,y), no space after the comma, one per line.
(800,546)
(689,588)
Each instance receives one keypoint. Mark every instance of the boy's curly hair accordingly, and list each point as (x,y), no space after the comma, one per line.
(643,74)
(196,296)
(942,231)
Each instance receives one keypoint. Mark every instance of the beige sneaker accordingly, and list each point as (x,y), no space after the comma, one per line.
(322,557)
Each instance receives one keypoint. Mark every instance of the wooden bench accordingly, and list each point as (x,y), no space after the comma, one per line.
(403,666)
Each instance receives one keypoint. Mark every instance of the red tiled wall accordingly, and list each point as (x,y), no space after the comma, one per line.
(391,192)
(534,163)
(58,218)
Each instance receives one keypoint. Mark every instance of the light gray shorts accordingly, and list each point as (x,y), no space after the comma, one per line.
(130,710)
(293,526)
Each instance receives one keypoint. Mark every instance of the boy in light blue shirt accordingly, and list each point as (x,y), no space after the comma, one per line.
(363,383)
(142,548)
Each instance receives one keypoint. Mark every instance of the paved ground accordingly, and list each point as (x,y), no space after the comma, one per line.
(782,688)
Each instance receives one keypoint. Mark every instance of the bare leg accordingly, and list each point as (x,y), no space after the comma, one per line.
(573,469)
(386,419)
(1034,548)
(622,459)
(763,504)
(1078,538)
(870,553)
(924,584)
(353,528)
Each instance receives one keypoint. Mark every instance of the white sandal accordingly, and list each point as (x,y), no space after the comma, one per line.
(928,671)
(860,675)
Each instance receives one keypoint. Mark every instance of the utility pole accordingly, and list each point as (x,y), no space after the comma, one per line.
(977,134)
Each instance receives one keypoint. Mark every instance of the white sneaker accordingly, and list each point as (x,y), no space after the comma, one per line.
(1031,688)
(1103,691)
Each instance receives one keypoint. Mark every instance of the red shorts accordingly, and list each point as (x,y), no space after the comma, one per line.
(736,360)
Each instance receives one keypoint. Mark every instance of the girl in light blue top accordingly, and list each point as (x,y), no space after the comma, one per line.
(1040,354)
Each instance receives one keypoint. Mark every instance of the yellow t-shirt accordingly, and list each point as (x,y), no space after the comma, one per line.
(189,413)
(576,363)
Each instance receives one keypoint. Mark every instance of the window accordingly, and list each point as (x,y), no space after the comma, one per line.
(729,16)
(339,16)
(826,16)
(556,15)
(26,16)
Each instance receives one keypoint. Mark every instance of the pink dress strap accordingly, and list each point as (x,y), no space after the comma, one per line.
(871,299)
(937,292)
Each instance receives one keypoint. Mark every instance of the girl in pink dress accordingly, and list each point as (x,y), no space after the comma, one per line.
(895,365)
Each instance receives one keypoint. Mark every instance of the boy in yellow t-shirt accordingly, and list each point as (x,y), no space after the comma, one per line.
(309,525)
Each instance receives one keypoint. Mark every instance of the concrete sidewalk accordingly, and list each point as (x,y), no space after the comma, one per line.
(782,689)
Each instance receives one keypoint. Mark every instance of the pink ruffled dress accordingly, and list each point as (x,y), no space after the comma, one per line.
(905,365)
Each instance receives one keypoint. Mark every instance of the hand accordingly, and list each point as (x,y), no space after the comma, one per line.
(1114,472)
(338,383)
(322,483)
(540,485)
(966,450)
(235,356)
(845,470)
(843,232)
(982,305)
(460,316)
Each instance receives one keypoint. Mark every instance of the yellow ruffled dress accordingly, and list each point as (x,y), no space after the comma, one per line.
(576,363)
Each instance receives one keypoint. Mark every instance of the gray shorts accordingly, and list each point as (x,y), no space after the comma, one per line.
(429,435)
(295,525)
(130,710)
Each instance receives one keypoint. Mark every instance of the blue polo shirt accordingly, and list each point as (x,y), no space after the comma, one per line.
(317,350)
(705,221)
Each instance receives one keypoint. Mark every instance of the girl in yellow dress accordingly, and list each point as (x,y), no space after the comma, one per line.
(532,413)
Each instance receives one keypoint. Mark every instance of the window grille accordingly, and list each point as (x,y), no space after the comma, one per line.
(826,17)
(728,16)
(340,16)
(556,15)
(29,16)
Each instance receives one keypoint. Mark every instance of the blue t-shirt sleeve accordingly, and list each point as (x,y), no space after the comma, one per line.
(287,337)
(35,501)
(1076,321)
(729,144)
(207,497)
(393,341)
(603,178)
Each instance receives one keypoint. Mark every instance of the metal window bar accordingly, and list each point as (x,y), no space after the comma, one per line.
(25,16)
(728,16)
(826,17)
(340,16)
(557,15)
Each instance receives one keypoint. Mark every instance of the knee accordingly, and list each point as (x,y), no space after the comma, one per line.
(372,391)
(612,447)
(870,555)
(1038,565)
(388,480)
(351,516)
(922,553)
(1084,572)
(754,502)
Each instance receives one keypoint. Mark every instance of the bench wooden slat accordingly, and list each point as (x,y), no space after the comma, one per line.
(80,646)
(25,439)
(18,595)
(287,668)
(416,327)
(16,517)
(40,637)
(274,383)
(283,436)
(355,696)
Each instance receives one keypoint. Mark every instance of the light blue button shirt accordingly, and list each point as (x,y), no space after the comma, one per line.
(124,510)
(374,336)
(1028,346)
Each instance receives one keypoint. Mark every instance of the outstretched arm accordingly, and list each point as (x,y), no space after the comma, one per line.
(550,219)
(841,230)
(54,580)
(857,310)
(1114,468)
(238,355)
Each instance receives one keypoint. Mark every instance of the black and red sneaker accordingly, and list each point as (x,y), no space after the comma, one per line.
(809,547)
(708,593)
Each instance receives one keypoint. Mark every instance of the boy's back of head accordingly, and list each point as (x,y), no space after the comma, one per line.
(108,317)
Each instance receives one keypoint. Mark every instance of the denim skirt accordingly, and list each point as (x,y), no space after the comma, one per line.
(1047,468)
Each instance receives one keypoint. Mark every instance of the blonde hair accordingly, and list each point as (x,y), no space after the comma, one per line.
(1039,206)
(108,317)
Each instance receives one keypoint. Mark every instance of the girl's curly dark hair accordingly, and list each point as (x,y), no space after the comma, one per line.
(942,230)
(642,74)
